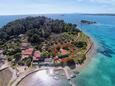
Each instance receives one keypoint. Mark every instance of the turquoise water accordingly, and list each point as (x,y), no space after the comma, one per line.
(101,69)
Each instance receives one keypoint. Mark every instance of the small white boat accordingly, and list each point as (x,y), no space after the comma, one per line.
(56,78)
(73,76)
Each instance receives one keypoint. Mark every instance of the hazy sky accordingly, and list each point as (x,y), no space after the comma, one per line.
(9,7)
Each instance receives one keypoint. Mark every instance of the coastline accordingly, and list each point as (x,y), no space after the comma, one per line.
(90,53)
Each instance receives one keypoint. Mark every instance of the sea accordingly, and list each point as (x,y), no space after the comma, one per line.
(101,69)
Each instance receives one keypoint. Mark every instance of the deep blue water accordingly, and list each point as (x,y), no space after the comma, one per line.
(101,69)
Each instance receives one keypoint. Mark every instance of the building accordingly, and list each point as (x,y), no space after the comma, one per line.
(63,51)
(26,53)
(37,55)
(24,46)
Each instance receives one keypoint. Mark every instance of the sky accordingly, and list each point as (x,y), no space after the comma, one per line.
(17,7)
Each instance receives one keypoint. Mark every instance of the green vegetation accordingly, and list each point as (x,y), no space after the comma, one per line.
(63,56)
(79,59)
(26,61)
(45,54)
(81,44)
(17,57)
(43,34)
(37,29)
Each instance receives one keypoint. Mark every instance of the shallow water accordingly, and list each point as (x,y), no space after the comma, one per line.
(42,78)
(101,69)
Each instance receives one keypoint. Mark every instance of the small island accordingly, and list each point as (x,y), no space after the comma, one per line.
(35,42)
(87,22)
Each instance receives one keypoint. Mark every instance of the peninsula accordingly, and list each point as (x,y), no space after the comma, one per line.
(43,42)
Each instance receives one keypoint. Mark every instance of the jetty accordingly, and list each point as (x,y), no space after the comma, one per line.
(69,74)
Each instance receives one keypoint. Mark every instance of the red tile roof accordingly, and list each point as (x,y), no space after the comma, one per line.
(37,54)
(27,52)
(63,51)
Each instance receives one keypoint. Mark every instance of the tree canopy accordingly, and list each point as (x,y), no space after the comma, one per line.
(36,28)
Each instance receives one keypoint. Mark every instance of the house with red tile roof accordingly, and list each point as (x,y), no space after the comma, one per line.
(27,52)
(63,51)
(37,55)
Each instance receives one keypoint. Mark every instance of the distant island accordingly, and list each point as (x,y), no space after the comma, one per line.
(41,41)
(87,22)
(101,14)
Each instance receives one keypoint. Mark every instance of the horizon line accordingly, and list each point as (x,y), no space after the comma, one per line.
(57,13)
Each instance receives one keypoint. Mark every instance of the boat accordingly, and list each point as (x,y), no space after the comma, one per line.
(56,78)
